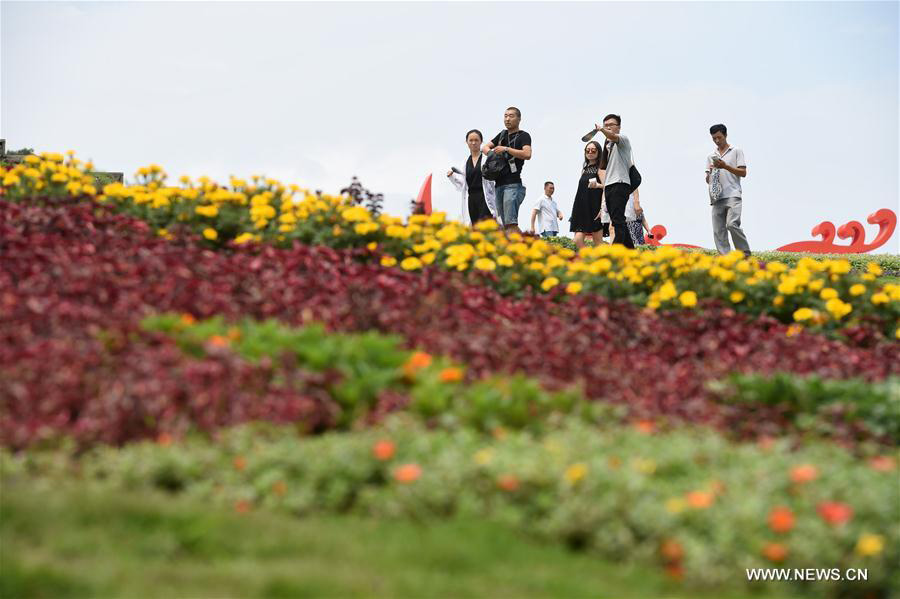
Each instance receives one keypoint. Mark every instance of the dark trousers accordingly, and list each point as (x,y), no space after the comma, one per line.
(616,199)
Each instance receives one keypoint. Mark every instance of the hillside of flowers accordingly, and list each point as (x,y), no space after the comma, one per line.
(258,346)
(811,294)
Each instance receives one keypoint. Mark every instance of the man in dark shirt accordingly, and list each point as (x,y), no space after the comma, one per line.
(516,144)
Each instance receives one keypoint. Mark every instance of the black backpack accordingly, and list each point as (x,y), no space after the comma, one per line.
(495,166)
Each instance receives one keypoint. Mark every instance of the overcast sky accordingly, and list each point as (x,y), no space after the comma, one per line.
(314,93)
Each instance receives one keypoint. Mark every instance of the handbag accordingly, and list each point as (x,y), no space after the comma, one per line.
(496,167)
(715,186)
(634,175)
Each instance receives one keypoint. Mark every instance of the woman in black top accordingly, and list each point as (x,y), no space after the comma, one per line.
(586,209)
(471,183)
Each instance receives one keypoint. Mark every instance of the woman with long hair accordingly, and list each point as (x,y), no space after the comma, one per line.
(478,193)
(587,206)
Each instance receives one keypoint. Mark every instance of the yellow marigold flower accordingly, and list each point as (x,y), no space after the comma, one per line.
(505,260)
(356,214)
(436,218)
(793,330)
(828,293)
(815,285)
(336,230)
(837,308)
(210,211)
(59,178)
(803,314)
(857,289)
(776,267)
(388,261)
(788,286)
(574,287)
(688,299)
(243,238)
(667,291)
(411,263)
(371,246)
(869,545)
(873,269)
(32,173)
(365,228)
(428,258)
(778,300)
(483,457)
(675,505)
(32,159)
(736,296)
(549,283)
(576,472)
(11,179)
(210,233)
(485,264)
(880,298)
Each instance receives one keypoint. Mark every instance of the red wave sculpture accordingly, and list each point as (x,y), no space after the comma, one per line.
(659,231)
(424,197)
(885,218)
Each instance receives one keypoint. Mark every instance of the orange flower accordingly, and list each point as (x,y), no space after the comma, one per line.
(451,375)
(804,473)
(242,506)
(835,512)
(781,519)
(164,439)
(279,488)
(239,463)
(417,361)
(508,482)
(187,319)
(882,463)
(671,550)
(700,500)
(218,341)
(407,473)
(775,552)
(383,450)
(645,426)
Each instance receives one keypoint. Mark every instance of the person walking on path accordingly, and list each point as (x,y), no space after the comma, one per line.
(547,213)
(725,168)
(516,145)
(478,194)
(586,208)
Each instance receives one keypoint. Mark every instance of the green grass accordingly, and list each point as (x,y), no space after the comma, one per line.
(67,541)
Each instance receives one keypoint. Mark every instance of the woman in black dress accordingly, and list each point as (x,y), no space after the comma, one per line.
(471,182)
(586,209)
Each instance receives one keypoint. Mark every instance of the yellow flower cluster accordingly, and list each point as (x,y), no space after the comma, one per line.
(820,293)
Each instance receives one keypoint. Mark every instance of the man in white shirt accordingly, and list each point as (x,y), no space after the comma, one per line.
(617,159)
(547,213)
(724,170)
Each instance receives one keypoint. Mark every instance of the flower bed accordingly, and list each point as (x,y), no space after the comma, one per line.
(76,279)
(813,294)
(700,507)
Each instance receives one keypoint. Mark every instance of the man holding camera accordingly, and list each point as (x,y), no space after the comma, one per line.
(516,145)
